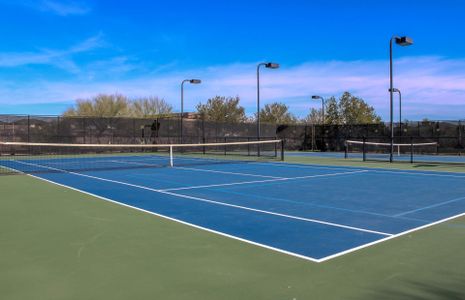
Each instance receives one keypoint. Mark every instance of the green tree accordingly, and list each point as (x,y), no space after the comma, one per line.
(332,115)
(349,109)
(354,110)
(277,113)
(313,117)
(102,105)
(425,121)
(222,109)
(149,107)
(103,109)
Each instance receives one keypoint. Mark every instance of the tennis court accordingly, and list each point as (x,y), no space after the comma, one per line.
(310,211)
(451,159)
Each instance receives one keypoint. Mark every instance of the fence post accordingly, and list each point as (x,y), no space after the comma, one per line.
(57,136)
(134,130)
(283,142)
(28,128)
(364,149)
(305,138)
(203,129)
(346,154)
(459,135)
(276,148)
(411,150)
(84,131)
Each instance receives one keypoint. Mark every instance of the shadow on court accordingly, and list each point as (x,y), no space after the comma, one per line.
(449,287)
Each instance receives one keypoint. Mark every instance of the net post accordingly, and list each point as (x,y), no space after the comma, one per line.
(28,128)
(346,154)
(364,149)
(203,141)
(225,146)
(275,148)
(282,149)
(248,147)
(305,137)
(171,157)
(411,150)
(258,147)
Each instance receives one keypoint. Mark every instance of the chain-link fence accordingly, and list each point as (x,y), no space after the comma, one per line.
(89,130)
(450,135)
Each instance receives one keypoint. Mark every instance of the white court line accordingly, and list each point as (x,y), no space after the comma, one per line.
(217,202)
(308,258)
(135,163)
(321,260)
(301,166)
(201,170)
(307,166)
(231,173)
(263,181)
(429,207)
(278,214)
(376,170)
(390,238)
(418,173)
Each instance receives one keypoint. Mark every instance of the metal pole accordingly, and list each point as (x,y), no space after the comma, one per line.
(182,110)
(258,102)
(346,150)
(411,150)
(364,155)
(400,112)
(258,107)
(323,109)
(391,100)
(28,128)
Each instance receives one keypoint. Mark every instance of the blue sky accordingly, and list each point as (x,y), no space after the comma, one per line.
(53,52)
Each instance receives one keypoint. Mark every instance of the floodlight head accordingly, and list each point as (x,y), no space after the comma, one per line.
(394,90)
(316,97)
(195,81)
(404,41)
(272,65)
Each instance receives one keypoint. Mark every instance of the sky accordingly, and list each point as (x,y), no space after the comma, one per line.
(54,52)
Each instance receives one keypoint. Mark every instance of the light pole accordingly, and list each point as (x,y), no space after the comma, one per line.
(191,81)
(400,108)
(322,107)
(401,41)
(268,65)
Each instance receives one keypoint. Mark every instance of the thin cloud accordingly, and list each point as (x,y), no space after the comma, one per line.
(66,8)
(432,87)
(58,58)
(60,8)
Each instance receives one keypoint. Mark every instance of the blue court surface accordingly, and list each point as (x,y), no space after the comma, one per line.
(459,159)
(313,212)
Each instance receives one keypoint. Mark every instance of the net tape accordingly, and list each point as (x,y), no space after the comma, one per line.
(64,155)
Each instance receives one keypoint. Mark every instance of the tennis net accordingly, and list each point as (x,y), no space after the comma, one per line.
(402,152)
(19,157)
